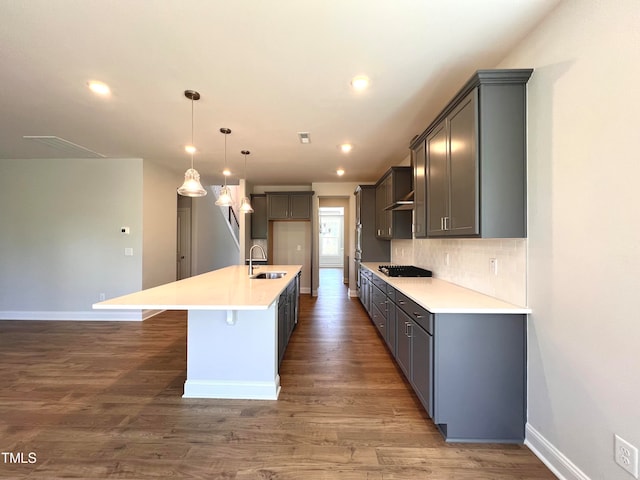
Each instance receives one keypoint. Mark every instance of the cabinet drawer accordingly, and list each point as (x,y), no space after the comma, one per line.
(380,283)
(418,314)
(380,300)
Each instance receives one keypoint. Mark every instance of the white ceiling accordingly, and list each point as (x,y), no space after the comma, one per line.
(264,69)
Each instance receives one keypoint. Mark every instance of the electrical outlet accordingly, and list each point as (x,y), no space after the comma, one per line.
(102,297)
(493,266)
(626,455)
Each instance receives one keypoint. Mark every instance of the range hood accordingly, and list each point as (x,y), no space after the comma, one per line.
(405,203)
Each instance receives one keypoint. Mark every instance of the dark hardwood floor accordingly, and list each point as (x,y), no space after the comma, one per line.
(103,400)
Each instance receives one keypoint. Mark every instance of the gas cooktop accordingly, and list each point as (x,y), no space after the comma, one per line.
(404,271)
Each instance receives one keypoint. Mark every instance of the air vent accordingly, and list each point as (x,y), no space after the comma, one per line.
(304,137)
(66,147)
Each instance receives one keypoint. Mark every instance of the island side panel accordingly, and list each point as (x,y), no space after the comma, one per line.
(232,361)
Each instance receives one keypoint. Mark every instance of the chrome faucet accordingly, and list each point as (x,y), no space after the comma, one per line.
(264,255)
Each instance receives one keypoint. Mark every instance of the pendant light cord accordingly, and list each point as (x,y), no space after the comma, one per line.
(192,144)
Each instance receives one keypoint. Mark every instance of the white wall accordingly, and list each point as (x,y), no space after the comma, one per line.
(159,225)
(60,240)
(584,233)
(213,245)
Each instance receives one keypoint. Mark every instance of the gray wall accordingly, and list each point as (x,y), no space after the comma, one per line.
(159,225)
(60,242)
(584,234)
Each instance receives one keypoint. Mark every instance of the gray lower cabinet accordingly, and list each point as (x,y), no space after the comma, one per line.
(287,315)
(468,370)
(475,161)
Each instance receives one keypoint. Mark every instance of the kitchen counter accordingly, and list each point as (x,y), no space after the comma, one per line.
(232,328)
(228,288)
(439,296)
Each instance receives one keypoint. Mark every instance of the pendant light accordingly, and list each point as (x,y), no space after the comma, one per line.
(245,204)
(225,200)
(192,186)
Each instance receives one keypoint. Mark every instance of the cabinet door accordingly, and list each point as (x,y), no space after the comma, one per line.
(259,220)
(437,179)
(282,327)
(390,328)
(278,204)
(463,169)
(419,191)
(422,366)
(403,342)
(300,206)
(381,198)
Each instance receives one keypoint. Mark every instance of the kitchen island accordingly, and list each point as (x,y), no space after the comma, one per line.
(232,329)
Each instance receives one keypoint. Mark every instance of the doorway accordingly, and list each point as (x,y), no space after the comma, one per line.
(331,231)
(332,240)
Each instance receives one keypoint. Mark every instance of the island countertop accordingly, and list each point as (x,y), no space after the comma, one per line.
(228,288)
(440,296)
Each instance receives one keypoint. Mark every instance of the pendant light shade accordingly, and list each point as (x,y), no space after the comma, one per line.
(245,204)
(192,186)
(225,200)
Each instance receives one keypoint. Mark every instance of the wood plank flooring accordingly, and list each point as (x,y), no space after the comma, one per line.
(103,400)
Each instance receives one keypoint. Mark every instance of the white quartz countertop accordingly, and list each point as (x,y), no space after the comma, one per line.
(228,288)
(439,296)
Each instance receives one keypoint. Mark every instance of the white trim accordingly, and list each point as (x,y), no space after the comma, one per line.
(307,290)
(553,458)
(81,316)
(232,389)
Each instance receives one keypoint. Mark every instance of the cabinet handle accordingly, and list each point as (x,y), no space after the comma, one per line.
(409,329)
(417,315)
(441,223)
(446,223)
(401,302)
(382,325)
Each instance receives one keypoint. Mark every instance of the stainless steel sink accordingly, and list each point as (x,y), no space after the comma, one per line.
(268,275)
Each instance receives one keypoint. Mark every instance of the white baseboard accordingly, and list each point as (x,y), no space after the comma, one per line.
(81,316)
(231,389)
(306,290)
(553,458)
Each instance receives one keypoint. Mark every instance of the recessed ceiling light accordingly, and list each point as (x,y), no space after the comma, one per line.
(346,147)
(99,87)
(340,172)
(226,172)
(360,82)
(190,149)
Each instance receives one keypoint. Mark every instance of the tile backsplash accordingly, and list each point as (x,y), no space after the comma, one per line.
(466,262)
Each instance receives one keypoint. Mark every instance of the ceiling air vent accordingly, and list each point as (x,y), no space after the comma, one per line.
(304,137)
(69,149)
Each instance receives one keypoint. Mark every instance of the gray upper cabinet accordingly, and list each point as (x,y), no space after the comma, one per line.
(372,249)
(419,160)
(475,153)
(394,185)
(259,220)
(289,205)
